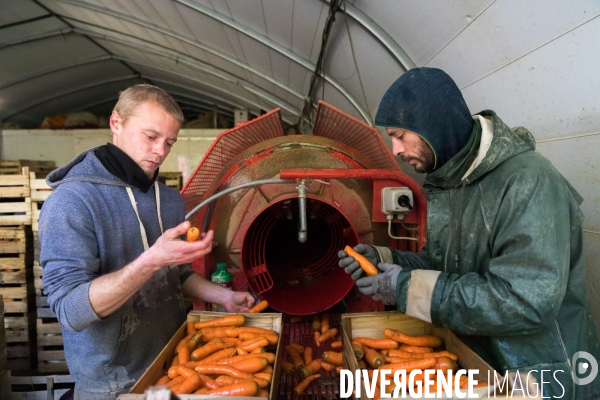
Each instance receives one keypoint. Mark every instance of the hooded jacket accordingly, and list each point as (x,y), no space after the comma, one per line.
(88,228)
(503,266)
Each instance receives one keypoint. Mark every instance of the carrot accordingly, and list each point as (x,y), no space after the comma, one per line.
(295,320)
(422,363)
(295,356)
(287,367)
(228,320)
(252,344)
(391,360)
(308,355)
(180,370)
(362,364)
(241,351)
(176,381)
(332,357)
(326,366)
(358,349)
(208,382)
(337,344)
(301,387)
(338,369)
(273,339)
(263,375)
(202,391)
(209,334)
(236,331)
(263,393)
(245,388)
(373,358)
(225,380)
(190,384)
(175,361)
(378,344)
(415,349)
(233,340)
(184,354)
(328,335)
(182,342)
(317,335)
(163,381)
(444,364)
(267,370)
(270,357)
(424,341)
(260,307)
(258,350)
(316,323)
(324,323)
(191,329)
(208,349)
(365,264)
(310,369)
(436,354)
(215,357)
(299,348)
(250,365)
(192,234)
(212,369)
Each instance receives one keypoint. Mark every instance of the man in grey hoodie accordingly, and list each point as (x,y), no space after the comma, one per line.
(115,268)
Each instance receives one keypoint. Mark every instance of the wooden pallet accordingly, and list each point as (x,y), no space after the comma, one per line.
(39,193)
(12,167)
(13,186)
(13,240)
(2,339)
(38,387)
(51,355)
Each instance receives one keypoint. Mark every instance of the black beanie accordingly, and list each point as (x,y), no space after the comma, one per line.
(426,101)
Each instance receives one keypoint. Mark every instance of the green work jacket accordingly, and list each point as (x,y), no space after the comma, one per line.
(503,266)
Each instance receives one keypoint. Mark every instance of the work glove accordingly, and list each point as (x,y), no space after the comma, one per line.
(381,287)
(351,266)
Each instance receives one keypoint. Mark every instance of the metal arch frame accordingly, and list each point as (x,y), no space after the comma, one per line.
(180,58)
(32,38)
(68,92)
(56,68)
(245,30)
(278,48)
(381,35)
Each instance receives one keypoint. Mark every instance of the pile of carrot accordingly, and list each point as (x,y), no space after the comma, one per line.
(321,329)
(223,357)
(398,351)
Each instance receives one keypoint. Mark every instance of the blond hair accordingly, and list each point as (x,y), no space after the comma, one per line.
(139,94)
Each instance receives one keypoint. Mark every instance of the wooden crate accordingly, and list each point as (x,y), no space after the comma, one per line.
(11,167)
(13,240)
(39,193)
(163,361)
(2,338)
(51,355)
(15,211)
(14,186)
(42,387)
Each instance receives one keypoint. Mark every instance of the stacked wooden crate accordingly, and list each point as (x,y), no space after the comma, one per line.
(51,354)
(171,179)
(16,270)
(4,373)
(14,167)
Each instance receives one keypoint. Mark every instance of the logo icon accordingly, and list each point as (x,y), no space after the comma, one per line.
(583,367)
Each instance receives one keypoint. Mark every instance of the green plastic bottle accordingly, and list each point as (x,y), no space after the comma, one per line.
(221,277)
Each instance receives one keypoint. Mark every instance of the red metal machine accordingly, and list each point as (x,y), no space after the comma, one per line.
(281,239)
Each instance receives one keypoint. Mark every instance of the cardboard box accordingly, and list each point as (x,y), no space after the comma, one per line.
(163,360)
(372,325)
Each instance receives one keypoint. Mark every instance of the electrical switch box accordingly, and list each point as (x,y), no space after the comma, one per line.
(396,200)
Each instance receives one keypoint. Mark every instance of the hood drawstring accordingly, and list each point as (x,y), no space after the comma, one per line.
(459,227)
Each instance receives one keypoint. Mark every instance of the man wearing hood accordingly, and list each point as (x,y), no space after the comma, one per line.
(503,265)
(115,268)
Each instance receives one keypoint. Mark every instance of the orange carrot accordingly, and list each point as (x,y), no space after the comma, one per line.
(180,370)
(295,356)
(337,344)
(212,369)
(263,393)
(310,369)
(270,357)
(260,307)
(241,351)
(332,357)
(263,375)
(208,349)
(228,320)
(208,382)
(317,335)
(252,344)
(326,366)
(182,342)
(365,264)
(225,380)
(299,348)
(250,365)
(316,323)
(415,349)
(373,358)
(425,340)
(273,339)
(287,367)
(191,329)
(444,364)
(214,357)
(338,369)
(190,384)
(192,234)
(245,388)
(236,331)
(209,334)
(301,387)
(378,344)
(268,370)
(324,323)
(308,355)
(436,354)
(422,363)
(175,361)
(362,364)
(184,354)
(163,381)
(358,349)
(176,381)
(328,335)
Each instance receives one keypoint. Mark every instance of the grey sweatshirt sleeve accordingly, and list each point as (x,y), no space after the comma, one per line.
(69,257)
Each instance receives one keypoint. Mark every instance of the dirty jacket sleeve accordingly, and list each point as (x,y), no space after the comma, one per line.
(522,286)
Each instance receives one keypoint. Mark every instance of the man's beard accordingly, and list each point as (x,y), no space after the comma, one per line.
(425,156)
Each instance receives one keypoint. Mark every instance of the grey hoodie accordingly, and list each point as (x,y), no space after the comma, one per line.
(88,228)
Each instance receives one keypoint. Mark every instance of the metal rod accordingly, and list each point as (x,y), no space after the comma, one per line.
(302,231)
